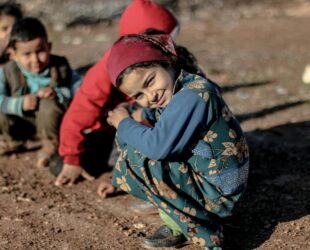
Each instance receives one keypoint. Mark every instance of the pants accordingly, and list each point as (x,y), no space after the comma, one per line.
(190,203)
(43,123)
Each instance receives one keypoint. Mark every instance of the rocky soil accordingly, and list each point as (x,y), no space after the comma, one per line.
(257,51)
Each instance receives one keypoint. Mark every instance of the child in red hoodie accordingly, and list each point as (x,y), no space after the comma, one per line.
(97,95)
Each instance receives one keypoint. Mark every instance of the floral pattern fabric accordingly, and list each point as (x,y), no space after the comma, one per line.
(204,185)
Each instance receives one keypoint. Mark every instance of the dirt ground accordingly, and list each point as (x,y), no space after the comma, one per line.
(257,53)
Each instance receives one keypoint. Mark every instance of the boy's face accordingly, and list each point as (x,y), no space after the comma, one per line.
(32,55)
(150,87)
(6,24)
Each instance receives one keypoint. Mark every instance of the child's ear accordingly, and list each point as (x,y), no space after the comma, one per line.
(11,53)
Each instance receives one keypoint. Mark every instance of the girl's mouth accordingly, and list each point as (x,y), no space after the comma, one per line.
(161,100)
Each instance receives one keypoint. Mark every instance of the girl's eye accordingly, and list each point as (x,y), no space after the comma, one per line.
(138,96)
(150,81)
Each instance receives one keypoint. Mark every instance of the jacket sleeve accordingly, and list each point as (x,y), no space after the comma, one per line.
(84,111)
(8,104)
(181,119)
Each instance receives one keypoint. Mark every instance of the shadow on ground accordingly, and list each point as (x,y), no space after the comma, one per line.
(271,110)
(278,189)
(236,86)
(96,160)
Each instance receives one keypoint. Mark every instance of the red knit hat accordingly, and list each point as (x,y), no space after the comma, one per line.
(141,15)
(133,49)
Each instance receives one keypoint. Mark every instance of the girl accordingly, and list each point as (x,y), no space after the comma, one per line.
(9,14)
(193,163)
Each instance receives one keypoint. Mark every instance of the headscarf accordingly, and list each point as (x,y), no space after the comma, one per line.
(133,49)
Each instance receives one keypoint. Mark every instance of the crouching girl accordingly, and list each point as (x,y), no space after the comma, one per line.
(193,163)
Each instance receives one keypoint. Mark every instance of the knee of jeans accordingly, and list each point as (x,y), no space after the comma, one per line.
(3,119)
(48,107)
(3,116)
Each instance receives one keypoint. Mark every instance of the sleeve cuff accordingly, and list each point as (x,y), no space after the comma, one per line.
(20,107)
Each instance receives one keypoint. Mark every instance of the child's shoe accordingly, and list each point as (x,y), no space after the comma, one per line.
(48,149)
(163,237)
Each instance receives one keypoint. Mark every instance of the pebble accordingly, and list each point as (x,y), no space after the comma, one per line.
(4,242)
(66,39)
(101,38)
(306,75)
(59,27)
(281,91)
(77,40)
(243,95)
(139,225)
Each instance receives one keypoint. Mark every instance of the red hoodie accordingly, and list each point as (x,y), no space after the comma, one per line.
(96,96)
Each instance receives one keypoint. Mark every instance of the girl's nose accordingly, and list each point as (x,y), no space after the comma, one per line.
(151,96)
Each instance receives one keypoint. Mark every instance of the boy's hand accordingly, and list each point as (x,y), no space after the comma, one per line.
(70,173)
(46,92)
(105,188)
(30,102)
(117,115)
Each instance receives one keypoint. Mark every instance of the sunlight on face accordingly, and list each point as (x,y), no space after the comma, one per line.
(150,87)
(32,55)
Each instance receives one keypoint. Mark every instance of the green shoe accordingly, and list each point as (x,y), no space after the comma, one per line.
(163,237)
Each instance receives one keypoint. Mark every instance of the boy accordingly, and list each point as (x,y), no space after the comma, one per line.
(34,90)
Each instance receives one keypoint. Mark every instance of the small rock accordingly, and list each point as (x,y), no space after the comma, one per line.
(4,242)
(101,38)
(243,95)
(306,75)
(77,40)
(139,225)
(66,39)
(281,91)
(128,232)
(59,27)
(13,157)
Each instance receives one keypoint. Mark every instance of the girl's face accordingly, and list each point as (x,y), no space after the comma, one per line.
(6,24)
(150,87)
(32,55)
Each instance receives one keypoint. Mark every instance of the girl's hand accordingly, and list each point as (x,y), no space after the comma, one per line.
(105,189)
(117,115)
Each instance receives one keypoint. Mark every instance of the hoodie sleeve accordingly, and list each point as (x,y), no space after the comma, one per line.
(8,104)
(181,119)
